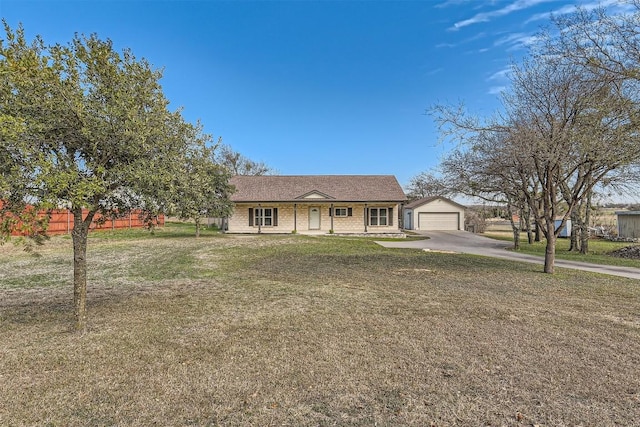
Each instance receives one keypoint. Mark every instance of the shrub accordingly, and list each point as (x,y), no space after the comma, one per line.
(475,222)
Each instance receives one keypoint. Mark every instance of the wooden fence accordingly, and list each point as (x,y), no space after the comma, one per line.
(61,222)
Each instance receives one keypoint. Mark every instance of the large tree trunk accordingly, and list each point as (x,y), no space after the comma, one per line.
(537,234)
(197,221)
(527,223)
(576,220)
(584,247)
(515,228)
(79,236)
(550,233)
(550,251)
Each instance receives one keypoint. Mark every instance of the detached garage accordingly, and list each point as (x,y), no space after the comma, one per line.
(434,214)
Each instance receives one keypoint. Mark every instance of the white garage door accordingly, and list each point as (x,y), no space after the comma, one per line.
(438,221)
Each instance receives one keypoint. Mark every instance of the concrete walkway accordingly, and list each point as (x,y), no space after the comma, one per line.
(469,243)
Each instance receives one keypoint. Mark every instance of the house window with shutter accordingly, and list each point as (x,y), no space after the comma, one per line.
(263,217)
(381,217)
(341,212)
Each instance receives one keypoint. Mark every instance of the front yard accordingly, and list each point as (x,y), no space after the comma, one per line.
(295,330)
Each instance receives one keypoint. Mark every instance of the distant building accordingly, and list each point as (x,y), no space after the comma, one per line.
(629,224)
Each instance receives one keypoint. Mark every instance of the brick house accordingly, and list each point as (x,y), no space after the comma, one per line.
(316,204)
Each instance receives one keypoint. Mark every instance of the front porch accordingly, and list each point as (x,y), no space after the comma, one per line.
(316,218)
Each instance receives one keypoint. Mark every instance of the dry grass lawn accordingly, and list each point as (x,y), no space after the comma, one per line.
(295,331)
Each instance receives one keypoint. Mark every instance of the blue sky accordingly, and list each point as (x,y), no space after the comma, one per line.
(315,87)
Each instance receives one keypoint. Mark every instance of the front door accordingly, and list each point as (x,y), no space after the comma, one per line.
(314,218)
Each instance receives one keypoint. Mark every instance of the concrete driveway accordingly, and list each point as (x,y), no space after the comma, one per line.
(469,243)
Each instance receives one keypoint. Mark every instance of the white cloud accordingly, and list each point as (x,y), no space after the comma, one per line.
(462,42)
(516,41)
(509,39)
(500,75)
(487,16)
(448,3)
(496,90)
(588,6)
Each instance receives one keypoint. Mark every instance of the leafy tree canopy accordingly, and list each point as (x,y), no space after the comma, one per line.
(84,126)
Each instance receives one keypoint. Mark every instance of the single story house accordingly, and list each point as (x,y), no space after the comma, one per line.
(628,224)
(434,213)
(316,204)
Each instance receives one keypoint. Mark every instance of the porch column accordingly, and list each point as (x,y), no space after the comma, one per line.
(366,208)
(295,217)
(260,218)
(331,215)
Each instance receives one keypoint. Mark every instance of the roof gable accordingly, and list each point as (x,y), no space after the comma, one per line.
(314,195)
(426,200)
(337,188)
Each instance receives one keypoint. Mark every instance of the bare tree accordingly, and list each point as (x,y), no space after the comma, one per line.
(562,133)
(490,171)
(605,48)
(238,164)
(427,184)
(574,129)
(598,41)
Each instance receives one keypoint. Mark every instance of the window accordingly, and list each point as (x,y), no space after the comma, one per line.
(340,211)
(380,216)
(263,217)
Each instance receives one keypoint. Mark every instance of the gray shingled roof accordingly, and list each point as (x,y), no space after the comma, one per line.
(339,188)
